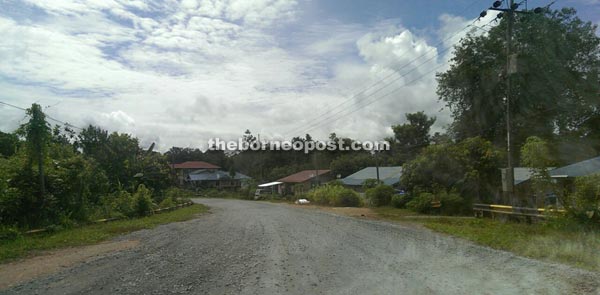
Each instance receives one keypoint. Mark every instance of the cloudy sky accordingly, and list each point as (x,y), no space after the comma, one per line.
(181,72)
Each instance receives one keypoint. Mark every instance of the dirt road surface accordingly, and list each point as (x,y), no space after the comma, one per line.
(245,247)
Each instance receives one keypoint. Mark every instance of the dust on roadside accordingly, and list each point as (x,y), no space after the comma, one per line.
(49,262)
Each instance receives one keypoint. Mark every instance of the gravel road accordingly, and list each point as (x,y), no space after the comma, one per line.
(245,247)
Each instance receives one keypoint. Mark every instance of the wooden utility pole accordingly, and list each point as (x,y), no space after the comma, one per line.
(316,170)
(510,171)
(511,68)
(377,165)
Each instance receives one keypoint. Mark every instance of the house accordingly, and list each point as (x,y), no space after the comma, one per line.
(271,187)
(182,170)
(524,191)
(388,175)
(214,178)
(583,168)
(303,181)
(563,175)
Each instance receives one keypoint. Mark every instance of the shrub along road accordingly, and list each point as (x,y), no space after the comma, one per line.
(261,248)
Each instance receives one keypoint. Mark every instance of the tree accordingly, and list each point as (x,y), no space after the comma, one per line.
(92,142)
(116,153)
(535,154)
(9,143)
(122,151)
(555,91)
(347,164)
(409,138)
(469,167)
(152,169)
(37,134)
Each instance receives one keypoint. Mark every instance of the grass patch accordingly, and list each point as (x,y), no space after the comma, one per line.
(395,214)
(91,234)
(544,241)
(278,200)
(574,247)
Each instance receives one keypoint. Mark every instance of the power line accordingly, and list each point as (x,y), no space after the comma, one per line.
(395,72)
(12,105)
(333,116)
(471,4)
(47,116)
(311,127)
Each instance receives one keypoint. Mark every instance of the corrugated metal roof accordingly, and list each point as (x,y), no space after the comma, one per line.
(204,175)
(389,175)
(303,176)
(268,184)
(583,168)
(522,174)
(195,165)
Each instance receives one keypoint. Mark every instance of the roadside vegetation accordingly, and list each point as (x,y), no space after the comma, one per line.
(24,245)
(334,195)
(558,239)
(56,179)
(555,241)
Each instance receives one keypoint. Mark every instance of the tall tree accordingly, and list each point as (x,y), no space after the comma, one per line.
(37,134)
(555,90)
(8,144)
(409,138)
(92,142)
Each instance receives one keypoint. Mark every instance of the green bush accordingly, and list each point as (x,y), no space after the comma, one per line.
(399,201)
(453,204)
(214,193)
(178,195)
(450,203)
(370,183)
(380,195)
(9,233)
(143,201)
(167,203)
(336,182)
(583,205)
(421,203)
(334,195)
(123,203)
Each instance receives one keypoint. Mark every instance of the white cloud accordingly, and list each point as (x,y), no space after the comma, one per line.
(118,118)
(179,73)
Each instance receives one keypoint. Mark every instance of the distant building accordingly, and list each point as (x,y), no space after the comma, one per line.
(563,175)
(583,168)
(525,193)
(388,175)
(303,181)
(182,170)
(272,188)
(218,179)
(522,175)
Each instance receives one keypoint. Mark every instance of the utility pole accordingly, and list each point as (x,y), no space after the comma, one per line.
(511,68)
(377,165)
(510,171)
(316,170)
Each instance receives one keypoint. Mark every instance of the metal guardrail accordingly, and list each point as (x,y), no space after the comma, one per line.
(157,211)
(493,209)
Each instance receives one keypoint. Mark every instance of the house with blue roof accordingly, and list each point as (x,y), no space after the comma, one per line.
(388,175)
(562,175)
(214,178)
(583,168)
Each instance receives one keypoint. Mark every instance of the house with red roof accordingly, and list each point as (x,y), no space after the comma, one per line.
(303,181)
